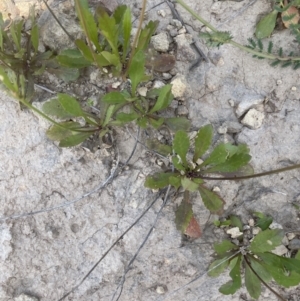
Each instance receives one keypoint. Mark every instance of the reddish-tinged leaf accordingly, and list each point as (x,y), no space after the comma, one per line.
(159,62)
(290,16)
(193,229)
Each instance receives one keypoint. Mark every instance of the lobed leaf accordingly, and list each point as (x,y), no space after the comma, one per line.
(189,185)
(158,180)
(115,97)
(252,283)
(155,145)
(203,141)
(70,105)
(225,246)
(72,58)
(74,139)
(266,241)
(178,123)
(127,117)
(263,221)
(181,145)
(58,133)
(211,200)
(232,286)
(54,108)
(218,266)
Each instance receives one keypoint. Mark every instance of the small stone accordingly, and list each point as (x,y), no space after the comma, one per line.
(24,297)
(253,119)
(157,84)
(231,102)
(251,222)
(166,76)
(182,111)
(182,30)
(234,232)
(285,240)
(246,227)
(174,104)
(291,236)
(160,290)
(199,161)
(116,85)
(233,127)
(280,250)
(176,23)
(178,86)
(256,230)
(294,89)
(279,82)
(142,91)
(162,13)
(294,244)
(248,103)
(216,189)
(222,129)
(275,225)
(160,42)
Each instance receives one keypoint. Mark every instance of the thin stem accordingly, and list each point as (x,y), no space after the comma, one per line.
(30,106)
(233,43)
(261,174)
(136,36)
(261,280)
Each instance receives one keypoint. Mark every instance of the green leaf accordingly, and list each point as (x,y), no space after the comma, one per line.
(282,277)
(109,30)
(74,139)
(66,74)
(219,155)
(34,36)
(164,99)
(15,31)
(142,122)
(189,185)
(175,181)
(266,241)
(260,269)
(70,105)
(155,145)
(263,221)
(218,266)
(266,25)
(114,98)
(127,117)
(54,108)
(181,145)
(87,22)
(232,286)
(225,246)
(178,123)
(158,180)
(232,164)
(203,141)
(177,163)
(211,200)
(110,58)
(236,222)
(85,50)
(252,283)
(146,34)
(57,133)
(72,58)
(136,70)
(183,215)
(156,123)
(126,24)
(108,114)
(6,81)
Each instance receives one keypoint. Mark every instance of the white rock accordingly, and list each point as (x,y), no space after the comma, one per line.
(234,232)
(161,13)
(280,250)
(116,85)
(291,236)
(182,30)
(178,86)
(216,188)
(253,119)
(256,230)
(24,297)
(275,225)
(160,290)
(158,84)
(248,103)
(182,110)
(160,42)
(222,129)
(142,91)
(176,23)
(294,89)
(251,222)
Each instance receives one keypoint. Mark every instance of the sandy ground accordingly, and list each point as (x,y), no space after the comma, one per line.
(57,220)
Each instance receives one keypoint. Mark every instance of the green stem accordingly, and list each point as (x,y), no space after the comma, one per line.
(134,44)
(275,171)
(233,43)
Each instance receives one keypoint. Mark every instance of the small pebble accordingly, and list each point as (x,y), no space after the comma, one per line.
(160,290)
(279,82)
(231,102)
(116,85)
(161,13)
(251,222)
(291,236)
(142,91)
(294,89)
(256,230)
(216,188)
(234,232)
(182,30)
(280,250)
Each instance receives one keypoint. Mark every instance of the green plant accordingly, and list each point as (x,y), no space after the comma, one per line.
(225,158)
(108,39)
(218,38)
(21,61)
(260,265)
